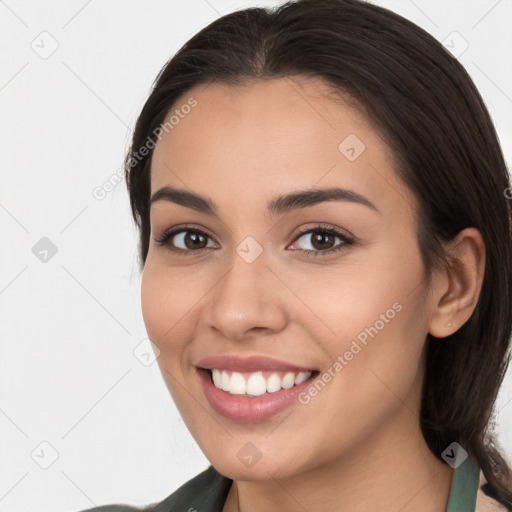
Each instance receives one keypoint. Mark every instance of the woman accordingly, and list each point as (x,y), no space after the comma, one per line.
(325,240)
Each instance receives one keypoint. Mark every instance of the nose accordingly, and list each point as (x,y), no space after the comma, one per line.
(245,302)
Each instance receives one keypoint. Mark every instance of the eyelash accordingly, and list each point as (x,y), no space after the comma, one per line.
(165,239)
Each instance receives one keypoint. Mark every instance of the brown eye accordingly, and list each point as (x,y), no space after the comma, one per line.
(185,240)
(321,240)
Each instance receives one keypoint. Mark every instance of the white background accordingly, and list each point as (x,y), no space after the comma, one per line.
(69,326)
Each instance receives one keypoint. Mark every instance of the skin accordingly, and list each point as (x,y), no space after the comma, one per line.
(357,444)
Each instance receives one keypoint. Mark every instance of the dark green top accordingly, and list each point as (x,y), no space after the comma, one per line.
(207,492)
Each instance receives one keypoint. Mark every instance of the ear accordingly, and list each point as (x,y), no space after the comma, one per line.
(456,289)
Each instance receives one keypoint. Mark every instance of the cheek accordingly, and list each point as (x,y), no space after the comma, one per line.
(373,316)
(167,304)
(164,309)
(154,306)
(341,302)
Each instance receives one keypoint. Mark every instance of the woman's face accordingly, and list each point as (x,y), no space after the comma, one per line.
(262,282)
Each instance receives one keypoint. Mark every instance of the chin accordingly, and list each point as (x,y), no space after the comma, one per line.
(261,470)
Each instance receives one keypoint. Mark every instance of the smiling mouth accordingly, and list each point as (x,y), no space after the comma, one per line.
(257,383)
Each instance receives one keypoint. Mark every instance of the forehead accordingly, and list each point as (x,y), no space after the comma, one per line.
(255,140)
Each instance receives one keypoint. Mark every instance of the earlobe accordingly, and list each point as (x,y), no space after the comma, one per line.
(458,288)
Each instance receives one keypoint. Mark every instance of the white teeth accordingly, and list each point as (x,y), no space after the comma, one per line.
(273,383)
(237,384)
(288,380)
(217,378)
(256,384)
(301,377)
(225,381)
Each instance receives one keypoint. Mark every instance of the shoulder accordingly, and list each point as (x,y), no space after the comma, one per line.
(113,508)
(205,492)
(485,503)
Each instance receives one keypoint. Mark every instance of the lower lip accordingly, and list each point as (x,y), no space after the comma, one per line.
(250,409)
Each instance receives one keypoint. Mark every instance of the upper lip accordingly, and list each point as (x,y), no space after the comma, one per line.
(248,364)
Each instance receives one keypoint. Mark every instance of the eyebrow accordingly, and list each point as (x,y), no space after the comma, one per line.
(278,205)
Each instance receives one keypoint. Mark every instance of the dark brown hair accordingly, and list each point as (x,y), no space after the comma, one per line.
(428,110)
